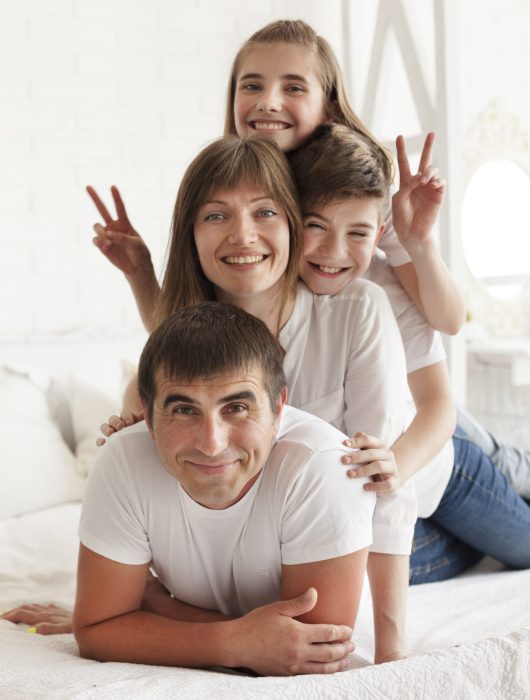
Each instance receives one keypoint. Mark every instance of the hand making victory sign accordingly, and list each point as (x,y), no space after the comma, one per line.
(117,240)
(416,204)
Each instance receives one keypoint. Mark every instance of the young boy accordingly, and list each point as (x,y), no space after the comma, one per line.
(343,183)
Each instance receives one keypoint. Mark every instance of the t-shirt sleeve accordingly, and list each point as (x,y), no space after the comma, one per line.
(389,242)
(111,518)
(325,513)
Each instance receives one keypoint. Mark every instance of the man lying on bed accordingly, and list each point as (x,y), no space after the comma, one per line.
(255,538)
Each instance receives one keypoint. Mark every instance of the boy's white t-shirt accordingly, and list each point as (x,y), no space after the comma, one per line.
(345,363)
(423,347)
(389,242)
(301,509)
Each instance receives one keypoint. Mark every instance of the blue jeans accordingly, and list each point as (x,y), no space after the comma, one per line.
(479,514)
(513,462)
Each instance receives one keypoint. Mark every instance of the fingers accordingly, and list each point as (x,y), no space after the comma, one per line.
(328,634)
(361,441)
(323,657)
(120,206)
(99,204)
(117,423)
(426,154)
(299,605)
(402,158)
(53,628)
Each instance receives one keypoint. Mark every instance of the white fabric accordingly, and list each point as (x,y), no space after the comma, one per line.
(423,347)
(389,243)
(36,466)
(485,613)
(90,406)
(344,362)
(299,510)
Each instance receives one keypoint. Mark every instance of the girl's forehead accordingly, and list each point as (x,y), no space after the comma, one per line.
(279,57)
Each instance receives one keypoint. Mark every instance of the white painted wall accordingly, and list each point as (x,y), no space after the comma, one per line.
(106,92)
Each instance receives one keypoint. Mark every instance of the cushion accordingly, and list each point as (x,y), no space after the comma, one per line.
(37,468)
(90,406)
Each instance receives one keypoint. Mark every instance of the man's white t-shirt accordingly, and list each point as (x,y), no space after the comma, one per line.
(423,347)
(302,508)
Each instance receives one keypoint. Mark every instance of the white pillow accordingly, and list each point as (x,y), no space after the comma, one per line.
(90,406)
(36,466)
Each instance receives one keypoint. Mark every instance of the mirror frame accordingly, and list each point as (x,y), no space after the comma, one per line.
(496,134)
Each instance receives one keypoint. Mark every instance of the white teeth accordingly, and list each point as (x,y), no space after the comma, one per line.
(275,126)
(246,260)
(329,270)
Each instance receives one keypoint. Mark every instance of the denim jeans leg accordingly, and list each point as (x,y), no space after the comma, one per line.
(481,509)
(513,462)
(437,555)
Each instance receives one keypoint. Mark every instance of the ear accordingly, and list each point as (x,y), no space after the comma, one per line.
(280,403)
(146,418)
(379,234)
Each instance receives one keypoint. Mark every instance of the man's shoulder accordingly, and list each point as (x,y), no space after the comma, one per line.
(131,449)
(306,430)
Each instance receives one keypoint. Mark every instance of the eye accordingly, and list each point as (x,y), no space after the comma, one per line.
(314,224)
(249,87)
(214,216)
(359,234)
(295,88)
(236,408)
(267,213)
(182,411)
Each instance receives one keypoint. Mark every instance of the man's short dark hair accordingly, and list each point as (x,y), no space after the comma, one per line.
(207,340)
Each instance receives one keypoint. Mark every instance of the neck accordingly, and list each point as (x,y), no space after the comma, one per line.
(265,306)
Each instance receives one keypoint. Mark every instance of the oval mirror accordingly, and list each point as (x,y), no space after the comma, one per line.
(496,228)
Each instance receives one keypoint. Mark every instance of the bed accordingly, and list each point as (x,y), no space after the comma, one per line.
(468,638)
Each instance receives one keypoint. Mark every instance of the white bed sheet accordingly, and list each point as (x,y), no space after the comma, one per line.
(486,613)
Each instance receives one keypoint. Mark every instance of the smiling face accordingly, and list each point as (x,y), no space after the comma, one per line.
(214,435)
(279,94)
(339,241)
(242,239)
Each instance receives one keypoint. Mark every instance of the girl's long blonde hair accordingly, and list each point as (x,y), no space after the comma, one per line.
(297,32)
(227,163)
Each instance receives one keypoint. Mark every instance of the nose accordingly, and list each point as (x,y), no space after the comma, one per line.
(243,231)
(333,247)
(269,101)
(212,436)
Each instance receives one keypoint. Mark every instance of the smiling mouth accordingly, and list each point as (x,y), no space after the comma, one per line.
(269,125)
(243,259)
(328,269)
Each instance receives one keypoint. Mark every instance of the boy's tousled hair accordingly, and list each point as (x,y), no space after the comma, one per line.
(297,32)
(208,340)
(227,163)
(337,164)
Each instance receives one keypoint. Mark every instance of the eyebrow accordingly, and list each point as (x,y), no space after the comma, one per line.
(220,201)
(359,224)
(244,395)
(286,76)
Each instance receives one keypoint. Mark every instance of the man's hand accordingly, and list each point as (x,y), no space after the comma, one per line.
(271,642)
(44,619)
(375,460)
(116,423)
(416,204)
(118,240)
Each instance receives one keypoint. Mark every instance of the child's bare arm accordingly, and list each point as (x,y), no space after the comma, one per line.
(126,250)
(415,208)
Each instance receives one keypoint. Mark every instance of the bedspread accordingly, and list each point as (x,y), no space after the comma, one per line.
(468,638)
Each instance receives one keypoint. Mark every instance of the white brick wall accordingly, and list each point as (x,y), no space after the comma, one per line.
(106,92)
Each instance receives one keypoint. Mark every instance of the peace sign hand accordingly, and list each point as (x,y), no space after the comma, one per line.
(416,204)
(117,240)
